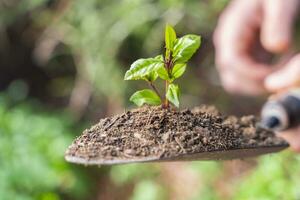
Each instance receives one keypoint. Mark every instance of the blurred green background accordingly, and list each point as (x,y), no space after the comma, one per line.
(61,69)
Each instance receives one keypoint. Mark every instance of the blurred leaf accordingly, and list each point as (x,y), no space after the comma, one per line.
(152,76)
(163,74)
(49,196)
(124,174)
(173,94)
(32,164)
(159,57)
(185,47)
(145,97)
(147,190)
(142,68)
(178,70)
(282,173)
(170,37)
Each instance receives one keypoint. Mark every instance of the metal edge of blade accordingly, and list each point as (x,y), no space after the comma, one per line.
(212,155)
(78,160)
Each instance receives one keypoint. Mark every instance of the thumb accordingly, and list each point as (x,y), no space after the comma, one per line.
(287,77)
(277,24)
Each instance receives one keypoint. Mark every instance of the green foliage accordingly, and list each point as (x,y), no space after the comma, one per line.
(276,177)
(145,96)
(163,73)
(123,174)
(170,37)
(144,69)
(173,94)
(32,147)
(144,177)
(172,66)
(185,47)
(147,190)
(103,35)
(178,70)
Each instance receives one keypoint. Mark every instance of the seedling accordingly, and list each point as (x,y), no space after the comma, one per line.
(136,136)
(168,67)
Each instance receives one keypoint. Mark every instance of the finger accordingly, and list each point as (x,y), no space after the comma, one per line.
(292,136)
(287,77)
(236,83)
(243,65)
(235,34)
(277,24)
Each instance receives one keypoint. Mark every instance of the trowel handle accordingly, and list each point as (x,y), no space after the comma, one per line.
(282,112)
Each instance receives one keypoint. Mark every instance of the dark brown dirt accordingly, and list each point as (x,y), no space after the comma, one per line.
(153,131)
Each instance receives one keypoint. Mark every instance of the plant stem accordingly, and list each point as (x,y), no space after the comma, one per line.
(154,88)
(168,66)
(166,104)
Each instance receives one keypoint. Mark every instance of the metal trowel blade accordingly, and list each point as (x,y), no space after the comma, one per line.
(213,155)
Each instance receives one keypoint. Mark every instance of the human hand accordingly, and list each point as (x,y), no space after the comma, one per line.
(242,26)
(282,80)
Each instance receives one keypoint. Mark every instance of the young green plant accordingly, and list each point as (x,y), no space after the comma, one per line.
(168,67)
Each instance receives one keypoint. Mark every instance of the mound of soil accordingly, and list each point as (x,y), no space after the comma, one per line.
(165,133)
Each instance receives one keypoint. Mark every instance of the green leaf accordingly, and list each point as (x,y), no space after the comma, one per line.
(178,70)
(145,97)
(142,68)
(185,47)
(152,76)
(163,73)
(170,37)
(159,57)
(173,94)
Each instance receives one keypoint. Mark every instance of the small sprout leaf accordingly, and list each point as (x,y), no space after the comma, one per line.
(142,68)
(145,97)
(163,73)
(173,94)
(159,57)
(185,47)
(178,70)
(168,67)
(152,76)
(170,37)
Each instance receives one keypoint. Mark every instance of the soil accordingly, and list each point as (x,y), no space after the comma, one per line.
(164,133)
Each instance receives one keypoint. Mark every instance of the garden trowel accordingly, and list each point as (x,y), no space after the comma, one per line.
(213,155)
